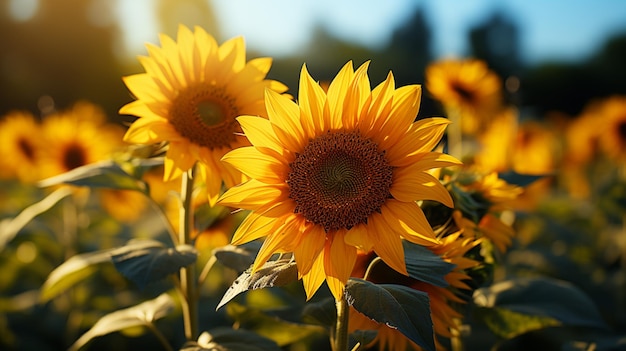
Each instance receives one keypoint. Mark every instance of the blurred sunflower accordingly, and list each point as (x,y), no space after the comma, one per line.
(189,97)
(338,171)
(612,138)
(20,141)
(536,150)
(123,205)
(443,300)
(76,137)
(466,88)
(480,201)
(581,148)
(497,142)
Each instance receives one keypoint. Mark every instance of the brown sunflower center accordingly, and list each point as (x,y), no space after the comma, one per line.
(621,130)
(74,157)
(205,115)
(465,94)
(27,149)
(339,180)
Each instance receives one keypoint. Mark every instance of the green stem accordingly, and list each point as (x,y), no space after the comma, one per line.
(370,266)
(188,281)
(340,336)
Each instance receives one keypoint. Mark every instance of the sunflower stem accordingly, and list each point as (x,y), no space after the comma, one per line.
(188,281)
(340,336)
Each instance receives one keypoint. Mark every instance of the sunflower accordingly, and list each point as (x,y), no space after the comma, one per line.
(123,205)
(466,87)
(20,141)
(190,95)
(444,301)
(77,137)
(339,171)
(483,204)
(613,137)
(497,142)
(536,148)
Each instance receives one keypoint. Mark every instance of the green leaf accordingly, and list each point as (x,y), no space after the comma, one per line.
(226,339)
(508,324)
(238,258)
(281,331)
(272,273)
(147,262)
(422,264)
(143,314)
(397,306)
(519,179)
(323,312)
(361,338)
(72,271)
(517,306)
(104,174)
(9,228)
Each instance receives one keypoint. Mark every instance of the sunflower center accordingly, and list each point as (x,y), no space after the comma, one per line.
(26,148)
(339,180)
(205,115)
(621,130)
(74,157)
(463,92)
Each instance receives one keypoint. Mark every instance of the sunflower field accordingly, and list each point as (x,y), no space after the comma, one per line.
(232,210)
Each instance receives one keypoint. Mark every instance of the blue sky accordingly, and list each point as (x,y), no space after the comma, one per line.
(557,29)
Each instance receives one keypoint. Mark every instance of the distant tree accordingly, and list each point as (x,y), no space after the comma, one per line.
(64,52)
(171,13)
(496,41)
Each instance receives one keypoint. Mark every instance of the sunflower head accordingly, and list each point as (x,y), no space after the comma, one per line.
(20,142)
(444,301)
(80,135)
(612,140)
(466,87)
(190,95)
(338,171)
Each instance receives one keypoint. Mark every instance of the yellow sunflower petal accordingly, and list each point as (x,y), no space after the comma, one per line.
(315,277)
(412,186)
(142,87)
(339,260)
(336,91)
(284,114)
(423,136)
(260,133)
(253,227)
(213,182)
(251,195)
(160,78)
(150,130)
(357,236)
(430,160)
(388,247)
(311,98)
(409,219)
(230,53)
(184,161)
(254,70)
(309,248)
(186,39)
(257,165)
(283,239)
(357,97)
(406,104)
(380,107)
